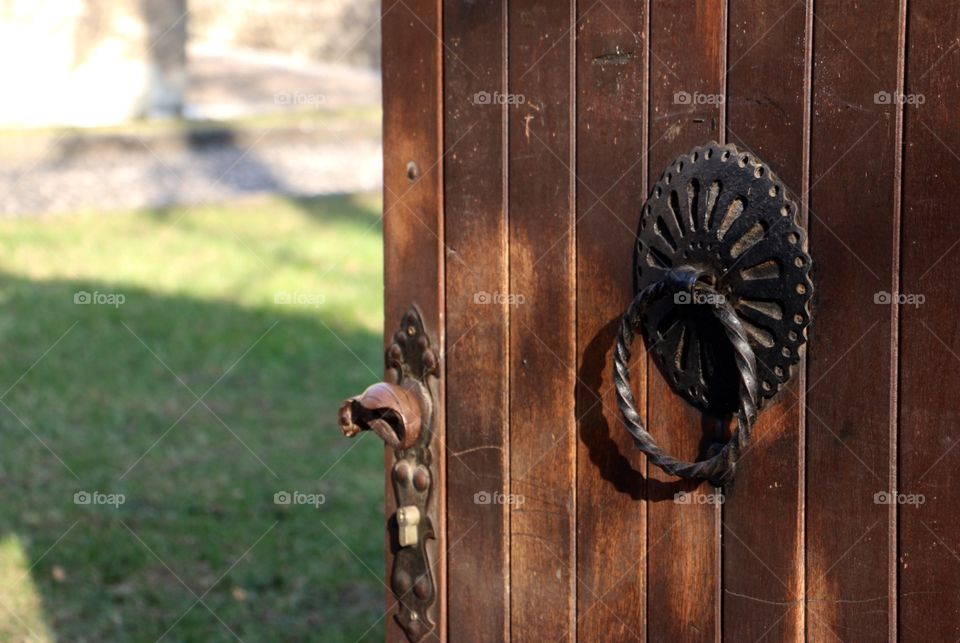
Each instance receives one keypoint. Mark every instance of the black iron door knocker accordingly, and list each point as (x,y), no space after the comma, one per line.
(723,290)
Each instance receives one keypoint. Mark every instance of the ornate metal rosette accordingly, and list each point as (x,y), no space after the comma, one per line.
(724,212)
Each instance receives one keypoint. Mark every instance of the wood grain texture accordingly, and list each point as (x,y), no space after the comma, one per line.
(767,102)
(542,328)
(929,561)
(542,196)
(478,527)
(413,229)
(611,171)
(854,197)
(687,54)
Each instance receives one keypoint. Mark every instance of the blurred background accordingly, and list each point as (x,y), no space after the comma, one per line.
(190,283)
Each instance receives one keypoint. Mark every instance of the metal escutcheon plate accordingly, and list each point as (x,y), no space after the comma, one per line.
(723,211)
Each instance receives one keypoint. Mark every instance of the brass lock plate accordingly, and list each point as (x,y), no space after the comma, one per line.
(412,364)
(401,411)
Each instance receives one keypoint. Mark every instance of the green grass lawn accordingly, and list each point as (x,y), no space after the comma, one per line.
(102,397)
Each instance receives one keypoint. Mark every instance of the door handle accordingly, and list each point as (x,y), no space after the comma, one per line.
(722,296)
(392,412)
(401,411)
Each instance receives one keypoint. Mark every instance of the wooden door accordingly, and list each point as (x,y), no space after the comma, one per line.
(521,139)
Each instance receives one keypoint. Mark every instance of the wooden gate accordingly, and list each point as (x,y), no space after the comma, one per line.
(521,138)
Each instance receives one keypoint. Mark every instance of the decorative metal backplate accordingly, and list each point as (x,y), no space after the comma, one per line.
(723,211)
(412,361)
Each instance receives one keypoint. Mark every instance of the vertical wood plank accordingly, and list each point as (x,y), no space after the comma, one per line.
(477,320)
(542,328)
(929,562)
(854,197)
(687,54)
(767,103)
(413,228)
(611,168)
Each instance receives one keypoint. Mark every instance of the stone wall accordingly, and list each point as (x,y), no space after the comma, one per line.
(90,62)
(345,31)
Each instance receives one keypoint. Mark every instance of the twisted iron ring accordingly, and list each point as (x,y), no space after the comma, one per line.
(718,468)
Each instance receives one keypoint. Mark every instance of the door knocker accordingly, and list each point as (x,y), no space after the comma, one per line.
(722,296)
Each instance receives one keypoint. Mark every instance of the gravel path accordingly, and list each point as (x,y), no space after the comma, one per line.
(80,171)
(157,178)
